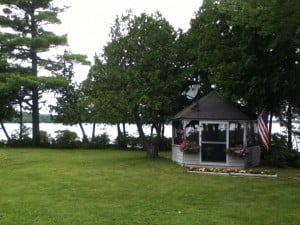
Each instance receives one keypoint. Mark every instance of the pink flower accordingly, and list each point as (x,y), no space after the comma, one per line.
(189,146)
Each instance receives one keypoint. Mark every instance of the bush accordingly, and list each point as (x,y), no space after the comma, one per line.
(131,142)
(127,142)
(44,139)
(121,142)
(66,139)
(101,141)
(165,144)
(16,142)
(279,155)
(2,143)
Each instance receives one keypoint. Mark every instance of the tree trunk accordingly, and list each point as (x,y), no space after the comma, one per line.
(35,118)
(270,127)
(93,131)
(124,129)
(119,130)
(5,132)
(21,121)
(289,127)
(159,131)
(84,137)
(121,138)
(151,132)
(35,92)
(35,105)
(152,152)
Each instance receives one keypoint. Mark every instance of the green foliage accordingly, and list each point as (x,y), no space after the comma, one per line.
(279,155)
(25,133)
(23,37)
(72,103)
(44,139)
(247,51)
(101,141)
(137,78)
(66,139)
(128,142)
(20,143)
(164,143)
(250,51)
(8,93)
(21,138)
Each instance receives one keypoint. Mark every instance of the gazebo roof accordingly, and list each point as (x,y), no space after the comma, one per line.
(214,107)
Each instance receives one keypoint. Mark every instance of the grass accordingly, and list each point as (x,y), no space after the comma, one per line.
(86,187)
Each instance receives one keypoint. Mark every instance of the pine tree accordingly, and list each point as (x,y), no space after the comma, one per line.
(23,36)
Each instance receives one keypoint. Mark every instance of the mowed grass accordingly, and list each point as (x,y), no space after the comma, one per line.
(68,187)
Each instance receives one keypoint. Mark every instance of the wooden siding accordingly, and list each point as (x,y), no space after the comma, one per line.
(236,162)
(254,156)
(177,155)
(191,159)
(194,160)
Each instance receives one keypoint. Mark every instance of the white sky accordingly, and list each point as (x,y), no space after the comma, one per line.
(88,22)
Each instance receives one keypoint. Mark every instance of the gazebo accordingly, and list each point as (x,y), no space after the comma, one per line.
(213,132)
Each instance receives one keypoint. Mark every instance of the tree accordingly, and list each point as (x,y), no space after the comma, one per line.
(23,38)
(105,106)
(72,105)
(139,74)
(7,96)
(250,50)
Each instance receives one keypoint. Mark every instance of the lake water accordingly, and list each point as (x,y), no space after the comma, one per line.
(110,130)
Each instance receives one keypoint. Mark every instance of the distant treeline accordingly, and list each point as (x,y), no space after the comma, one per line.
(44,118)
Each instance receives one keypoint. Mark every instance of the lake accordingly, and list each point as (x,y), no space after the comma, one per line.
(110,130)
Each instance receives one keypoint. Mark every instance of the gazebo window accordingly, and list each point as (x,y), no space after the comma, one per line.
(192,131)
(236,134)
(178,132)
(252,134)
(213,132)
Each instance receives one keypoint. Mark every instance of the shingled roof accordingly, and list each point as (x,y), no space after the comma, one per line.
(213,107)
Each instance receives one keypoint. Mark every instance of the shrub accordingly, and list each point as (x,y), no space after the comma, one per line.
(279,155)
(25,141)
(16,142)
(66,139)
(44,139)
(121,142)
(101,141)
(131,142)
(164,144)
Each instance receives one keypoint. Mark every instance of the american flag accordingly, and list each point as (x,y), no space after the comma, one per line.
(263,129)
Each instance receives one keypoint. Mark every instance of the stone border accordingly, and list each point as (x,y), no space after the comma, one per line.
(235,174)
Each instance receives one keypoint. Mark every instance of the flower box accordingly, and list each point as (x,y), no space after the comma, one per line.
(188,146)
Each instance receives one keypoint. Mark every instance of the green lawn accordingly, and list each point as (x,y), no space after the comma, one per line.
(123,187)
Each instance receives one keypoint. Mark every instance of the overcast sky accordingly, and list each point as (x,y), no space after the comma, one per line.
(88,22)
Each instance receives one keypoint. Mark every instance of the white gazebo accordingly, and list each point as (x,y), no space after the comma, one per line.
(213,132)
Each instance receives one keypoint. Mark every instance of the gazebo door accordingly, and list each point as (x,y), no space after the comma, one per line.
(213,142)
